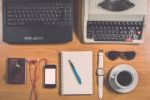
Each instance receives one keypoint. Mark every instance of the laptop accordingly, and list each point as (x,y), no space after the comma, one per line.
(37,21)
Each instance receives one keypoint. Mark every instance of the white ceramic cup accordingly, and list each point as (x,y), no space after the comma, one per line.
(129,86)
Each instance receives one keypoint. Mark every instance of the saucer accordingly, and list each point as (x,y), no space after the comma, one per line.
(119,68)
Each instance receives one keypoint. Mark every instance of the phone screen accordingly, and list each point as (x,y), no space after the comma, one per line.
(50,76)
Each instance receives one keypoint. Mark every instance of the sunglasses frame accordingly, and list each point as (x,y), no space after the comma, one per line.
(121,54)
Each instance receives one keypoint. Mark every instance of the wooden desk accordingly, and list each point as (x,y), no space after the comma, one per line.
(21,92)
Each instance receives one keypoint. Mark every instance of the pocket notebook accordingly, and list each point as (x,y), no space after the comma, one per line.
(83,62)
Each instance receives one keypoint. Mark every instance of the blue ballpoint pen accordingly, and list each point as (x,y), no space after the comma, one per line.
(75,72)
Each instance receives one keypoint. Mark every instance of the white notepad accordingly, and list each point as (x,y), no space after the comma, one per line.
(83,63)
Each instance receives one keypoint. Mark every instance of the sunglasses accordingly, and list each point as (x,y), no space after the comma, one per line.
(128,55)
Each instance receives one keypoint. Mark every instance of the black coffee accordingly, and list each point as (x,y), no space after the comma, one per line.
(124,78)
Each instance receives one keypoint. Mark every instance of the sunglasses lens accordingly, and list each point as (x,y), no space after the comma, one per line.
(129,55)
(113,55)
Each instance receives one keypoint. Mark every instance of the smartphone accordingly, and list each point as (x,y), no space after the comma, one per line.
(50,76)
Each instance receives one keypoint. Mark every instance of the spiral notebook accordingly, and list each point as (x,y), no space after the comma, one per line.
(83,62)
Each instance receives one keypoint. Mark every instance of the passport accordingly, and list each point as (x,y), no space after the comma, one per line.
(16,69)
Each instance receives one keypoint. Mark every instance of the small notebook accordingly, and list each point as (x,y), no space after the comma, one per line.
(83,62)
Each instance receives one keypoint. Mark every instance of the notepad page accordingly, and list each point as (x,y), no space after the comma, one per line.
(83,62)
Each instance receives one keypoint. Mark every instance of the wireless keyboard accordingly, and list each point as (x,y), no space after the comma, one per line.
(114,31)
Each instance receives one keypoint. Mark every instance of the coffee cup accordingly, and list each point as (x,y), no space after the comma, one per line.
(123,78)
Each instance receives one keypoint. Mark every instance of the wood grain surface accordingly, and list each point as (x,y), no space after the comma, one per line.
(51,51)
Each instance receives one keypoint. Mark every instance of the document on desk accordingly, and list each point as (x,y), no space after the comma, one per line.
(79,79)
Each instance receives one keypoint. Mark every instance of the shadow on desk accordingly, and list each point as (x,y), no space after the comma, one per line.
(78,19)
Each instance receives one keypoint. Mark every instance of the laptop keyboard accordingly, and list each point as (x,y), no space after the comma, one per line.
(39,13)
(114,31)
